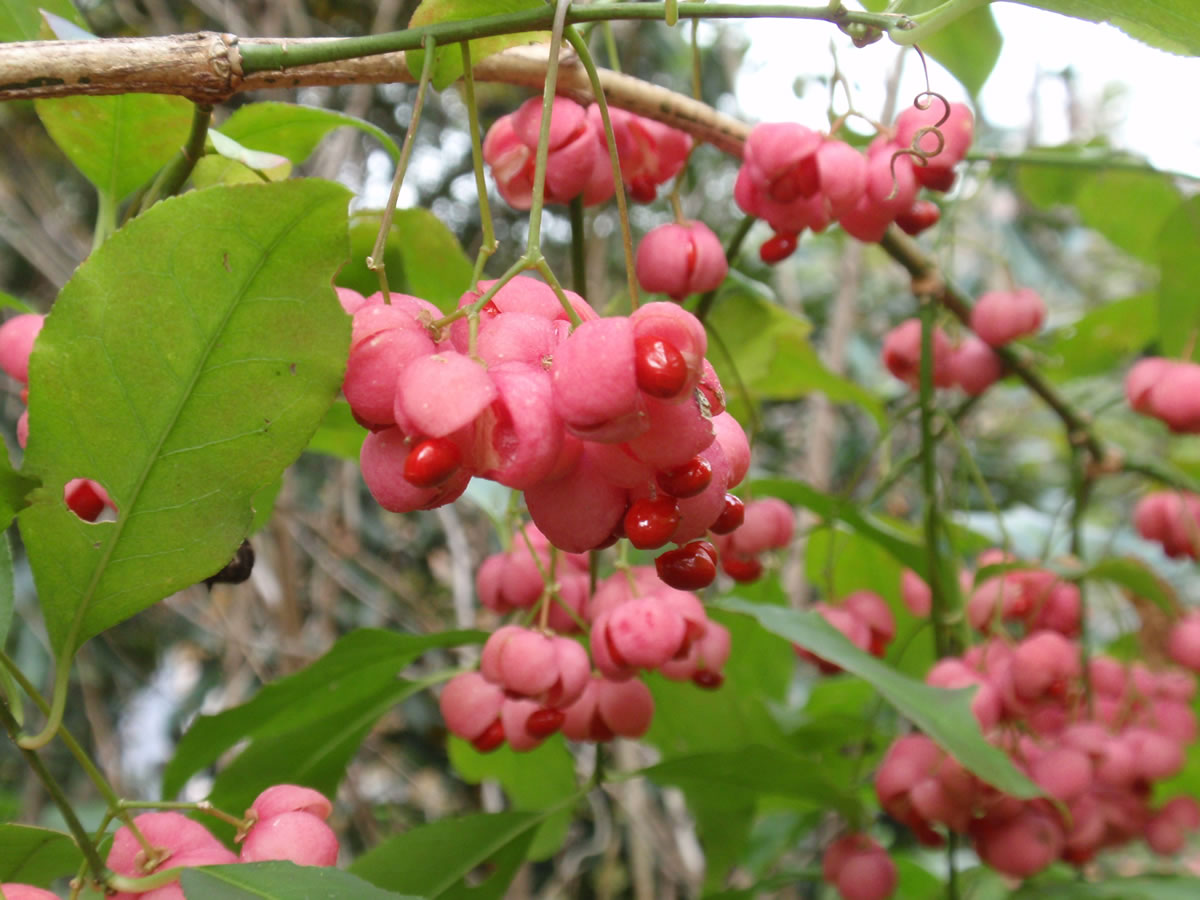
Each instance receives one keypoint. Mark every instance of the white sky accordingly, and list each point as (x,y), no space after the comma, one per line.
(1156,117)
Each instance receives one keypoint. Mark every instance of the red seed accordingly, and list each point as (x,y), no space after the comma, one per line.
(544,722)
(731,516)
(777,248)
(660,368)
(687,480)
(650,523)
(492,737)
(432,462)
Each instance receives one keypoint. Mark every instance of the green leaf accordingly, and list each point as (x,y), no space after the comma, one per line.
(1091,345)
(1145,887)
(277,881)
(540,779)
(1133,574)
(15,489)
(755,769)
(36,856)
(8,301)
(1170,25)
(21,20)
(120,142)
(294,131)
(1179,259)
(338,434)
(184,366)
(688,722)
(433,860)
(968,47)
(1101,197)
(6,589)
(422,256)
(836,509)
(765,347)
(447,66)
(354,678)
(944,715)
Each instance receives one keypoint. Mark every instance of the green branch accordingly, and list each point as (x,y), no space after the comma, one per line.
(278,57)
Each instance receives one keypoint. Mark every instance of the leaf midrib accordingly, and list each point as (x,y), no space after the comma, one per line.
(85,603)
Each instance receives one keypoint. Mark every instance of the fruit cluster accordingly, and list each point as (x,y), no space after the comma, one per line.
(997,318)
(1172,518)
(532,683)
(795,178)
(578,162)
(767,524)
(285,822)
(859,868)
(1095,755)
(622,416)
(1168,390)
(84,497)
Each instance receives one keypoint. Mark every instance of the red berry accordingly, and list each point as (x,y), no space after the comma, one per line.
(731,516)
(777,248)
(924,214)
(687,480)
(492,737)
(661,369)
(432,462)
(708,679)
(742,569)
(650,523)
(544,722)
(688,568)
(85,502)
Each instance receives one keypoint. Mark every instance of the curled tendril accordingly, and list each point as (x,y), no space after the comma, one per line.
(923,101)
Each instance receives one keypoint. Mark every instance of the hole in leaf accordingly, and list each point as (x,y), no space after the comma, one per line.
(88,499)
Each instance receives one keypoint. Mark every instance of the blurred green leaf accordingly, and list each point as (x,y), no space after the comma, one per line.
(755,769)
(447,66)
(836,509)
(1133,574)
(118,142)
(1101,198)
(21,20)
(36,856)
(278,881)
(1146,887)
(689,721)
(7,594)
(294,131)
(759,345)
(944,715)
(540,779)
(338,434)
(305,727)
(258,160)
(1178,244)
(968,47)
(433,860)
(1091,345)
(422,256)
(197,351)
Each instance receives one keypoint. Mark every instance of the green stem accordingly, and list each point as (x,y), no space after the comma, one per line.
(106,220)
(671,14)
(533,247)
(977,477)
(589,65)
(281,56)
(488,243)
(943,638)
(176,172)
(578,256)
(113,801)
(82,838)
(546,272)
(732,249)
(610,48)
(375,262)
(1082,484)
